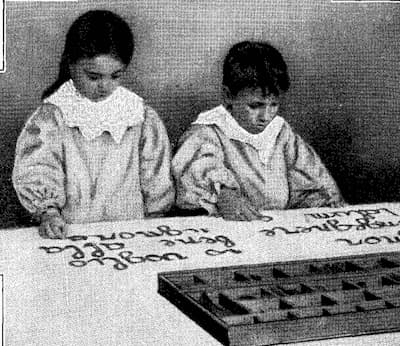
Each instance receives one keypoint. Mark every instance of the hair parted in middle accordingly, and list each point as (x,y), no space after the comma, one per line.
(94,33)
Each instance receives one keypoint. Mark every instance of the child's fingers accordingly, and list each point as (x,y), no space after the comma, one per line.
(232,215)
(47,232)
(239,210)
(58,232)
(59,227)
(255,212)
(240,214)
(250,216)
(243,215)
(43,231)
(54,230)
(250,213)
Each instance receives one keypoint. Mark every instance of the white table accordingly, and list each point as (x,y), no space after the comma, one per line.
(48,301)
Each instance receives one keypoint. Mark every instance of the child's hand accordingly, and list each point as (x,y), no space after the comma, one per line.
(52,225)
(232,206)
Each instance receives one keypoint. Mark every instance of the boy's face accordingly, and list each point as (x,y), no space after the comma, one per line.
(97,78)
(252,109)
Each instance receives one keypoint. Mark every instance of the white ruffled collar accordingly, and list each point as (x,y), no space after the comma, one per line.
(122,109)
(222,118)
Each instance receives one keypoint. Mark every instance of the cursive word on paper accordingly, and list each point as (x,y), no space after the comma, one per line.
(372,240)
(112,248)
(365,223)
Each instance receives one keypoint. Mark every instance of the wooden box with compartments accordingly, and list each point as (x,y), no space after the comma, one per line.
(282,302)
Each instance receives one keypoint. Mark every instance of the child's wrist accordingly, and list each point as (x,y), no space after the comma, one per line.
(50,212)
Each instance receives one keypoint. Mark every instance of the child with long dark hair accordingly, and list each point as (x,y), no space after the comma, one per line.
(93,151)
(241,158)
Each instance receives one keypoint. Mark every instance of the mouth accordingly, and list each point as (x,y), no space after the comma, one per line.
(259,127)
(101,96)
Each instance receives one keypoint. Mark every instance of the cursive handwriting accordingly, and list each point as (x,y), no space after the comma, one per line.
(110,248)
(78,254)
(118,264)
(191,240)
(343,213)
(213,252)
(161,231)
(334,225)
(130,258)
(372,240)
(56,249)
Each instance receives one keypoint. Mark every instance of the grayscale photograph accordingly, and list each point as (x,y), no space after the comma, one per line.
(196,172)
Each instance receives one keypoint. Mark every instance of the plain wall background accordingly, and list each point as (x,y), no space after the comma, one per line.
(343,58)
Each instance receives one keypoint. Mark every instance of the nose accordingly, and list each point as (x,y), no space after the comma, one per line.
(105,85)
(263,114)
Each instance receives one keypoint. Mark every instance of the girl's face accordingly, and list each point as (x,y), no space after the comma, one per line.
(252,109)
(97,78)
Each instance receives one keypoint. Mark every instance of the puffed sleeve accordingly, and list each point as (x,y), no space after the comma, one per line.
(155,166)
(199,169)
(38,174)
(310,183)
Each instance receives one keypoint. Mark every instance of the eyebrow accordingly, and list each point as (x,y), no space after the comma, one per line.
(257,103)
(101,74)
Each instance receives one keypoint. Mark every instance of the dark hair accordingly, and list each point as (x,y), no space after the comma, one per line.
(255,65)
(94,33)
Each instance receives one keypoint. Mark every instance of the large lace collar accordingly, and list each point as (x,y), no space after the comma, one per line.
(263,141)
(122,109)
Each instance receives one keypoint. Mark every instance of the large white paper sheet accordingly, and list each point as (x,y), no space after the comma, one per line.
(99,287)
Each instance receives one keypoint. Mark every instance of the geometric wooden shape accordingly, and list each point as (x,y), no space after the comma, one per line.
(326,301)
(349,286)
(279,274)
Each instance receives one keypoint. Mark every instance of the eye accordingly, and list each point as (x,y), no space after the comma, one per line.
(93,76)
(116,76)
(274,104)
(255,105)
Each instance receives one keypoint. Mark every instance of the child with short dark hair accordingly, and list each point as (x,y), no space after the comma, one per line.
(241,157)
(93,151)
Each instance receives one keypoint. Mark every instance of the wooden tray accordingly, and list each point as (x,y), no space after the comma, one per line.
(284,302)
